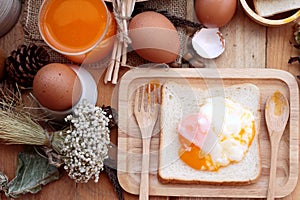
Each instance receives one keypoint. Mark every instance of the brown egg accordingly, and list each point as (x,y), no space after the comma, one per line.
(154,37)
(57,87)
(215,13)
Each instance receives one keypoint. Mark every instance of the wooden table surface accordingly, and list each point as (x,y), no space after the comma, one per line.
(249,45)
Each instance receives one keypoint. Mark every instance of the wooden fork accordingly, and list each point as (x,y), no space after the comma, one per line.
(146,111)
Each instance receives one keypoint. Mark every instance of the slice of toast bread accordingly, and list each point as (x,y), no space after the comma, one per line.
(267,8)
(179,100)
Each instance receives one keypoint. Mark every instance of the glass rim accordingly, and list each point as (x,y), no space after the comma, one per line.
(43,7)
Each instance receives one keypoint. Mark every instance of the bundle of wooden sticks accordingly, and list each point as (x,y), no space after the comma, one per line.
(122,11)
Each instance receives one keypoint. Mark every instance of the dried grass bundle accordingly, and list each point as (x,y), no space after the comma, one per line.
(19,123)
(82,147)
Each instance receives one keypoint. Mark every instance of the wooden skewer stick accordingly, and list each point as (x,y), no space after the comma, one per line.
(119,54)
(110,69)
(124,55)
(120,49)
(117,64)
(127,9)
(130,8)
(126,16)
(112,62)
(124,52)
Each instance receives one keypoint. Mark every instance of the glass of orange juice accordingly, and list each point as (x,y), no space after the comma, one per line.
(74,28)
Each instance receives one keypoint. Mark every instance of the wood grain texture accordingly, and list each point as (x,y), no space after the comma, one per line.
(268,81)
(247,45)
(279,50)
(276,120)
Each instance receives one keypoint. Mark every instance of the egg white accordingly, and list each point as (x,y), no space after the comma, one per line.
(234,126)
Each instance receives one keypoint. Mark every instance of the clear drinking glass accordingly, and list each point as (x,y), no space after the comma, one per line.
(74,28)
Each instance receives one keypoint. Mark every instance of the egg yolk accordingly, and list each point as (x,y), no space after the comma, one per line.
(193,156)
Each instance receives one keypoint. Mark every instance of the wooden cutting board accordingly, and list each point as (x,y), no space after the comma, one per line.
(268,81)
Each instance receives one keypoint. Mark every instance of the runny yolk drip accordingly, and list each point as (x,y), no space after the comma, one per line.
(253,134)
(74,25)
(192,156)
(149,87)
(154,83)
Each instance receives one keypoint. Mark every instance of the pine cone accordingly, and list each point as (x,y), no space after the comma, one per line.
(23,63)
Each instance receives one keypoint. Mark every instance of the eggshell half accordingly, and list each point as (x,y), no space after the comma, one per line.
(208,43)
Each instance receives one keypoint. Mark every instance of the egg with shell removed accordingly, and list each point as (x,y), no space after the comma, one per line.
(154,37)
(57,87)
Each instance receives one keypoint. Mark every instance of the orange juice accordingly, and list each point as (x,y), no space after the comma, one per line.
(73,27)
(102,49)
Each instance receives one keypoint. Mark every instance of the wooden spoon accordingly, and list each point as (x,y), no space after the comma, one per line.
(276,114)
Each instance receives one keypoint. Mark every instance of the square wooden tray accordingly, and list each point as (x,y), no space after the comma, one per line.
(268,81)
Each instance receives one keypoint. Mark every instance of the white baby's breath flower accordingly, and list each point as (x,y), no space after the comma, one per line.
(87,142)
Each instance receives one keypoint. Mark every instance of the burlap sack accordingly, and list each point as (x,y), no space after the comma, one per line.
(32,35)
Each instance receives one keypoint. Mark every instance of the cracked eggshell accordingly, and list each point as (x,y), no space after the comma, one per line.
(208,43)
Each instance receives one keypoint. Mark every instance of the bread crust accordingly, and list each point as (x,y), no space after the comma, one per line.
(229,183)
